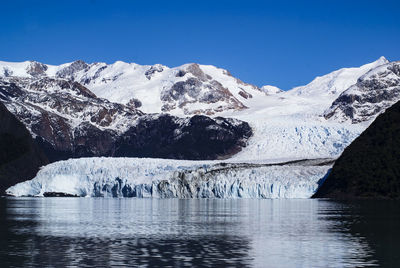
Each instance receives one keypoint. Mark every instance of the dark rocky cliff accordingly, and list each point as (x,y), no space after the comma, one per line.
(370,166)
(20,157)
(198,137)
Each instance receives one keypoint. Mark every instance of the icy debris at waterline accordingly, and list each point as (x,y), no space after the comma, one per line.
(162,178)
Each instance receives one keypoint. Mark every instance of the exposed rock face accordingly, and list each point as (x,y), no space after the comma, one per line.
(372,94)
(62,115)
(196,71)
(70,70)
(6,71)
(199,88)
(134,103)
(199,137)
(20,157)
(370,166)
(158,68)
(67,120)
(36,68)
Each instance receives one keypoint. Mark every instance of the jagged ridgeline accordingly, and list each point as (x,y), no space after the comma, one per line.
(63,105)
(67,120)
(374,92)
(370,166)
(20,157)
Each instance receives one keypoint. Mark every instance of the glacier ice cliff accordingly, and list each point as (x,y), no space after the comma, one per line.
(162,178)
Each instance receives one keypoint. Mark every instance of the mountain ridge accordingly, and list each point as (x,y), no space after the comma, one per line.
(68,120)
(287,125)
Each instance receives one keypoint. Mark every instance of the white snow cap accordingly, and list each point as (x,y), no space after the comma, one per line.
(271,90)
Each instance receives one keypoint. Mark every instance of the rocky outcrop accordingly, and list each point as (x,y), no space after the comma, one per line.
(371,95)
(160,136)
(198,137)
(36,68)
(65,118)
(158,68)
(198,87)
(370,166)
(70,70)
(20,157)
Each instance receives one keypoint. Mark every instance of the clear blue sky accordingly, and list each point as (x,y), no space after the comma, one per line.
(283,43)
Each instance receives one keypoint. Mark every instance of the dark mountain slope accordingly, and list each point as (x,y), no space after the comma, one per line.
(20,157)
(370,166)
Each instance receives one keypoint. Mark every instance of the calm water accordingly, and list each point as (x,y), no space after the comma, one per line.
(60,232)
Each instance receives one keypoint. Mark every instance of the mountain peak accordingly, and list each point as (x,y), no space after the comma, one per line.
(36,68)
(382,60)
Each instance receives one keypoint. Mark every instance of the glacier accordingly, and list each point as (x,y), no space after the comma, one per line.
(290,140)
(164,178)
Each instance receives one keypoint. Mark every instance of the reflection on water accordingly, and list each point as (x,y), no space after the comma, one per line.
(54,232)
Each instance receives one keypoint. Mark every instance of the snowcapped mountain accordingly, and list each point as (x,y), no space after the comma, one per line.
(286,125)
(184,90)
(64,99)
(60,114)
(373,93)
(291,124)
(328,87)
(187,89)
(83,109)
(68,120)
